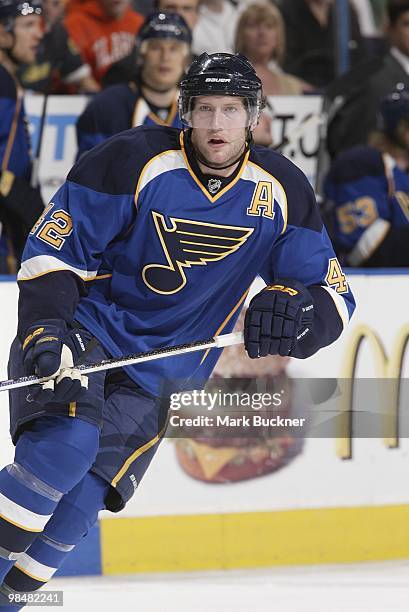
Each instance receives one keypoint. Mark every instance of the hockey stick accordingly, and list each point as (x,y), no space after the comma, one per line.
(119,362)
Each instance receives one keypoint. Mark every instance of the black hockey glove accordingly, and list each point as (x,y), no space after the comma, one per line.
(277,318)
(51,349)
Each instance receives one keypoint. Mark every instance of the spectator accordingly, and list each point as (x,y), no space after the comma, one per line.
(164,52)
(58,62)
(310,35)
(216,27)
(260,36)
(124,70)
(103,30)
(189,9)
(20,204)
(394,68)
(369,186)
(365,86)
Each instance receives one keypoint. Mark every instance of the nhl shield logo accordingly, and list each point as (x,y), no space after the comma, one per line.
(214,185)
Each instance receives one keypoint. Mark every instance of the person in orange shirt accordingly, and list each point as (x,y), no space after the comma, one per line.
(103,30)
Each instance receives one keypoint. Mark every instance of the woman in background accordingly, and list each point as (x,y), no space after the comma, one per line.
(260,36)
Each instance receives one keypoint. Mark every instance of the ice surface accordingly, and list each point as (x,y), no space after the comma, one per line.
(369,587)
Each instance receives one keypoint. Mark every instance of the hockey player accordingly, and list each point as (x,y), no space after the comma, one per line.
(369,186)
(163,52)
(20,205)
(154,240)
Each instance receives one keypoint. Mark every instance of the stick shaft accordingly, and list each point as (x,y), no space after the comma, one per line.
(108,364)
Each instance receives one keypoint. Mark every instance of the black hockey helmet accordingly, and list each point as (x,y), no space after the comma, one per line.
(393,108)
(221,74)
(10,9)
(163,25)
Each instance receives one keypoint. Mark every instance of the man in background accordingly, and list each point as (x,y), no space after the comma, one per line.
(124,70)
(20,203)
(188,9)
(104,31)
(58,67)
(364,87)
(311,34)
(163,54)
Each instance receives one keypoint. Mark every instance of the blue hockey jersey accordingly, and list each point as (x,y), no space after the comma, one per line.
(118,108)
(366,186)
(136,249)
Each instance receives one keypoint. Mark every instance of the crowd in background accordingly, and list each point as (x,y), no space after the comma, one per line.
(93,46)
(291,43)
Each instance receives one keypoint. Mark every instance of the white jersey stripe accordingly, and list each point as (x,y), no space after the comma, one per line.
(34,568)
(20,516)
(164,162)
(44,264)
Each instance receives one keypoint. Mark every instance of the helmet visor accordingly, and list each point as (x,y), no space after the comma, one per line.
(218,112)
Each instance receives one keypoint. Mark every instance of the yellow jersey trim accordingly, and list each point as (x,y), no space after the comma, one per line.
(8,520)
(153,116)
(144,169)
(98,277)
(33,576)
(72,409)
(86,280)
(169,119)
(139,451)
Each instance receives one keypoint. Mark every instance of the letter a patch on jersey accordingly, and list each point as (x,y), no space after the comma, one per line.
(188,243)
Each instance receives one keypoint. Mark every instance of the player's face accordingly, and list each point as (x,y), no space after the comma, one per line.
(218,134)
(164,63)
(399,33)
(28,34)
(187,8)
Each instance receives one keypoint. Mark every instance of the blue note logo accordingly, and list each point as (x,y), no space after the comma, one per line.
(189,243)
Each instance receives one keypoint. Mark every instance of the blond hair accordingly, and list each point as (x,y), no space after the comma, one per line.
(262,13)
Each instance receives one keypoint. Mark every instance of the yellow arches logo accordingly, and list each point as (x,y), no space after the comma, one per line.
(389,373)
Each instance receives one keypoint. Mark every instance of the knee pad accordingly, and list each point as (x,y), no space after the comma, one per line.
(78,511)
(58,450)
